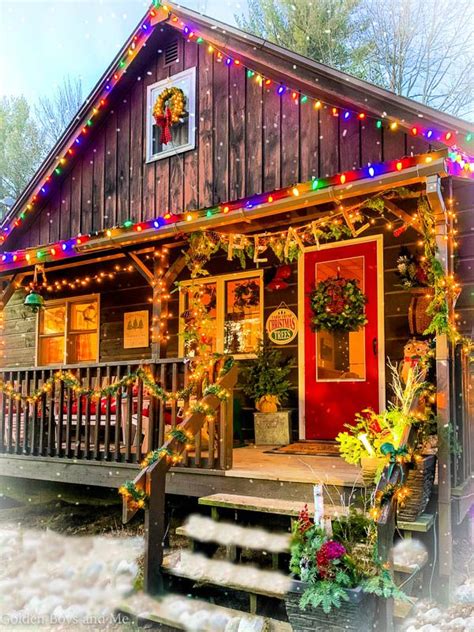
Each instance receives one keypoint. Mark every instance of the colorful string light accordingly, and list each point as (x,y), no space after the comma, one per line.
(71,247)
(137,41)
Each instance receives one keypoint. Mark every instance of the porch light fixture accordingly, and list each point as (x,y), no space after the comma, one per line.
(34,300)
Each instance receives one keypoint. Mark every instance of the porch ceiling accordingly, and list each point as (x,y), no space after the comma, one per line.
(417,170)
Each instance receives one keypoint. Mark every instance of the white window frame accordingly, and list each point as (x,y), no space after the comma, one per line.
(152,92)
(220,281)
(67,301)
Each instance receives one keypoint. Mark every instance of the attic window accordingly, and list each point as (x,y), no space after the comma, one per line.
(171,52)
(182,133)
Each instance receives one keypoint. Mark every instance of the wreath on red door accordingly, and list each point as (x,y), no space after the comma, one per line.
(169,109)
(338,304)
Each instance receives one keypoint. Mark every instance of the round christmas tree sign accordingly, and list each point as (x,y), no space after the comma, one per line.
(282,325)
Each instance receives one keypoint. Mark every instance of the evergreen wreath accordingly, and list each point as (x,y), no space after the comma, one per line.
(338,304)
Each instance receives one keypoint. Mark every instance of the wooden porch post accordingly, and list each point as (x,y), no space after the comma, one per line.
(443,373)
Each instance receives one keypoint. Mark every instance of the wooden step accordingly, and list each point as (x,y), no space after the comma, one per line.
(176,611)
(228,534)
(240,577)
(266,505)
(422,524)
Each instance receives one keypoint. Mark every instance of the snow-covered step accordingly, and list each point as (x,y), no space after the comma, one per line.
(241,577)
(229,534)
(183,613)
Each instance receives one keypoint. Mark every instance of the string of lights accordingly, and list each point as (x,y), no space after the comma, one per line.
(71,247)
(461,162)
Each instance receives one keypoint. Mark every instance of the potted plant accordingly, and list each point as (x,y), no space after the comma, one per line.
(337,575)
(265,381)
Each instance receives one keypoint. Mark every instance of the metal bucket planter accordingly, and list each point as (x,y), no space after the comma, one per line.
(355,615)
(419,482)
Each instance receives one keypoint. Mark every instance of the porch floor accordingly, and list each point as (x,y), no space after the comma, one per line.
(256,462)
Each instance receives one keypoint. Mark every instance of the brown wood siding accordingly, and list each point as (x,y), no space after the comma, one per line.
(128,292)
(19,333)
(248,140)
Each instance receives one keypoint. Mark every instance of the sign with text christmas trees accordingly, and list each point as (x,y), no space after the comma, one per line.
(136,332)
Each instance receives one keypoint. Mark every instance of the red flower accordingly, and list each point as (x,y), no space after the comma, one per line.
(304,522)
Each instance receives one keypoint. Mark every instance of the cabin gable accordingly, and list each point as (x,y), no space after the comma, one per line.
(248,140)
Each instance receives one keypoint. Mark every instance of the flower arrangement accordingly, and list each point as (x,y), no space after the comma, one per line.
(377,435)
(338,304)
(411,270)
(331,563)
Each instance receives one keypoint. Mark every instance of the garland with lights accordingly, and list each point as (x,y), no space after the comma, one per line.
(203,362)
(169,110)
(338,304)
(73,246)
(136,497)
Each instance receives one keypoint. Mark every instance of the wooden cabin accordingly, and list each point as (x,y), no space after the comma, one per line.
(271,144)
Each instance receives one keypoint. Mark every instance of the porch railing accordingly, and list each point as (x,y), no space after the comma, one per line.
(119,427)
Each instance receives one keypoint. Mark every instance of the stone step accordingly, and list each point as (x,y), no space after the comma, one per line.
(204,529)
(239,577)
(183,613)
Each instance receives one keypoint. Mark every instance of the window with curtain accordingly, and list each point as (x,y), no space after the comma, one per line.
(69,331)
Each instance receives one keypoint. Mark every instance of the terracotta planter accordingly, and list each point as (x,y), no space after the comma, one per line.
(267,404)
(418,319)
(370,465)
(419,482)
(355,615)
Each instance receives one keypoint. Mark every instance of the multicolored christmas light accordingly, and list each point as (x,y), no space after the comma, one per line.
(159,13)
(70,247)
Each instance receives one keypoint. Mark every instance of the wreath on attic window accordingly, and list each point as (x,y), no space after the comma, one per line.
(169,110)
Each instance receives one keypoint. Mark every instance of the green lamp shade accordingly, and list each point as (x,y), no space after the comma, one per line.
(34,301)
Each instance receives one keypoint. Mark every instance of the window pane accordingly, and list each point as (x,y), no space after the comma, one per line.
(82,348)
(207,296)
(83,316)
(52,350)
(53,319)
(242,325)
(341,354)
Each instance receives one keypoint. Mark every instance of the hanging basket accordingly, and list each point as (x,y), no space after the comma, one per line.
(418,319)
(354,615)
(419,483)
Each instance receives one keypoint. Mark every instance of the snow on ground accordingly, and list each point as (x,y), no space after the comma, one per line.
(51,580)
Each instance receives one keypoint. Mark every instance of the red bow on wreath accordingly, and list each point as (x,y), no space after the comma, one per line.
(164,121)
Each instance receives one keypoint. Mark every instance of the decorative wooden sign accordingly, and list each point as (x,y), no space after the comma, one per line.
(136,331)
(282,325)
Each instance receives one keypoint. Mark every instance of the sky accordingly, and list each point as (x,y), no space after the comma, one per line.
(45,40)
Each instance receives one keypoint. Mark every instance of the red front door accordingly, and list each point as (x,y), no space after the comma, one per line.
(341,371)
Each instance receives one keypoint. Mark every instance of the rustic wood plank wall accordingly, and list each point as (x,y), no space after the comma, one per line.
(248,140)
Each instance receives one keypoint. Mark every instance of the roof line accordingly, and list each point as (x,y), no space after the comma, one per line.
(446,119)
